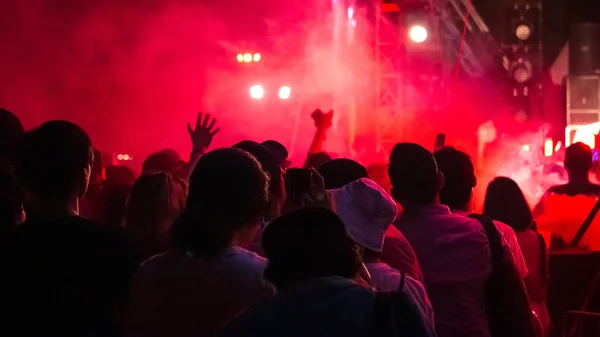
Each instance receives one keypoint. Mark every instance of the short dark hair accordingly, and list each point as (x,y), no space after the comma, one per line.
(227,191)
(459,176)
(578,158)
(339,172)
(413,174)
(53,158)
(267,161)
(330,252)
(505,202)
(11,130)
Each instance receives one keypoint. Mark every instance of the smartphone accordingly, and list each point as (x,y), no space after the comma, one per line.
(298,183)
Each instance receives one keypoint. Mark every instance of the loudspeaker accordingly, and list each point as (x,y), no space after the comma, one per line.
(583,100)
(584,49)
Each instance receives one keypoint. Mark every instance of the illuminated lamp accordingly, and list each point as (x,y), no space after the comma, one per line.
(257,91)
(417,33)
(548,148)
(285,92)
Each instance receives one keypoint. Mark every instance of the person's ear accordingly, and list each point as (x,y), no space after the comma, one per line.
(441,180)
(85,181)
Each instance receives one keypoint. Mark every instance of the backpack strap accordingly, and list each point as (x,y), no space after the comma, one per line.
(543,257)
(402,279)
(496,250)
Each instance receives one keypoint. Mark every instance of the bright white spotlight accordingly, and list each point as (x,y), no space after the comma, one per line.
(257,91)
(240,58)
(417,33)
(256,57)
(247,57)
(285,92)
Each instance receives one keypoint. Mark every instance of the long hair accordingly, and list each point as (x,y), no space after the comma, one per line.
(155,202)
(505,202)
(228,191)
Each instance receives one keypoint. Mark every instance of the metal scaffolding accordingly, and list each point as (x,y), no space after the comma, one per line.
(449,17)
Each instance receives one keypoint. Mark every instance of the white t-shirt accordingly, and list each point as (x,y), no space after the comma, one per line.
(386,278)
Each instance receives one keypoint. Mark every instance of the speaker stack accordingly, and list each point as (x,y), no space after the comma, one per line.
(583,84)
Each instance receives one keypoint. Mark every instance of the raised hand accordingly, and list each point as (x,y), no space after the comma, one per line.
(323,121)
(202,135)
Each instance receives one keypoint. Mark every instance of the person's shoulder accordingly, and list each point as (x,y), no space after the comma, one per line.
(415,289)
(254,321)
(243,257)
(114,241)
(505,229)
(109,235)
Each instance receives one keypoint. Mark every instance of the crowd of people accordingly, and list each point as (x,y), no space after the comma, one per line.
(235,242)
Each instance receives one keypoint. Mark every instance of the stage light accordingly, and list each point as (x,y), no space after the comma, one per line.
(525,148)
(418,34)
(523,32)
(119,157)
(285,92)
(256,57)
(247,57)
(126,157)
(548,147)
(350,13)
(521,73)
(257,91)
(240,58)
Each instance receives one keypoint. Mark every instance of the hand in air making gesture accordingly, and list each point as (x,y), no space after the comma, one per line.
(202,135)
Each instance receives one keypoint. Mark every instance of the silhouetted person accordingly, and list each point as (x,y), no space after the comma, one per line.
(167,160)
(279,152)
(316,292)
(114,203)
(157,199)
(273,170)
(562,210)
(367,212)
(315,160)
(457,193)
(341,171)
(396,251)
(453,250)
(578,163)
(68,276)
(208,276)
(88,205)
(504,201)
(110,204)
(11,201)
(11,130)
